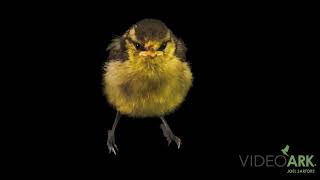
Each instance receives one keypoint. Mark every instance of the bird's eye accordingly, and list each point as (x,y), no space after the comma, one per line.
(162,46)
(138,46)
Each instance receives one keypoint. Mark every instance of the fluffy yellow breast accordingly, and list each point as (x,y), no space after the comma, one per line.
(147,87)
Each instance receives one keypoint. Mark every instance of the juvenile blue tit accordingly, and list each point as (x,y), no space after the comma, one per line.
(146,75)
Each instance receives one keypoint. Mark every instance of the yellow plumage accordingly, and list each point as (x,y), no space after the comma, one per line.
(141,87)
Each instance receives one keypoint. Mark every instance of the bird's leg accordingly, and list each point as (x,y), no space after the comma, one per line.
(111,140)
(168,133)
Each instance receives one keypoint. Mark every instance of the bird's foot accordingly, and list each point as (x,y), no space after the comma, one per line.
(111,143)
(170,136)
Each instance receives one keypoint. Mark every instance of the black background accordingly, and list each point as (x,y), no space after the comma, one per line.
(255,89)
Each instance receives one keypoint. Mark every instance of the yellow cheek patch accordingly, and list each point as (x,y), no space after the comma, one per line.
(170,49)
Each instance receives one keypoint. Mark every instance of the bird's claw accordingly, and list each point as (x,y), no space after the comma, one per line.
(177,140)
(111,143)
(170,136)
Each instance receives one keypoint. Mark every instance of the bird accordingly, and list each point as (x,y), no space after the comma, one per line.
(285,150)
(146,75)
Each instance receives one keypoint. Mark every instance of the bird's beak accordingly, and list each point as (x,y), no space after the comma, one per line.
(150,50)
(148,53)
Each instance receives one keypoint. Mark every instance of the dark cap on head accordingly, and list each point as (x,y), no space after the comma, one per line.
(150,29)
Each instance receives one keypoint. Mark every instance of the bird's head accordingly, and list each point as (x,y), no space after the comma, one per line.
(150,40)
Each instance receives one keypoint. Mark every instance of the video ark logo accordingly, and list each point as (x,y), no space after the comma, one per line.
(294,163)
